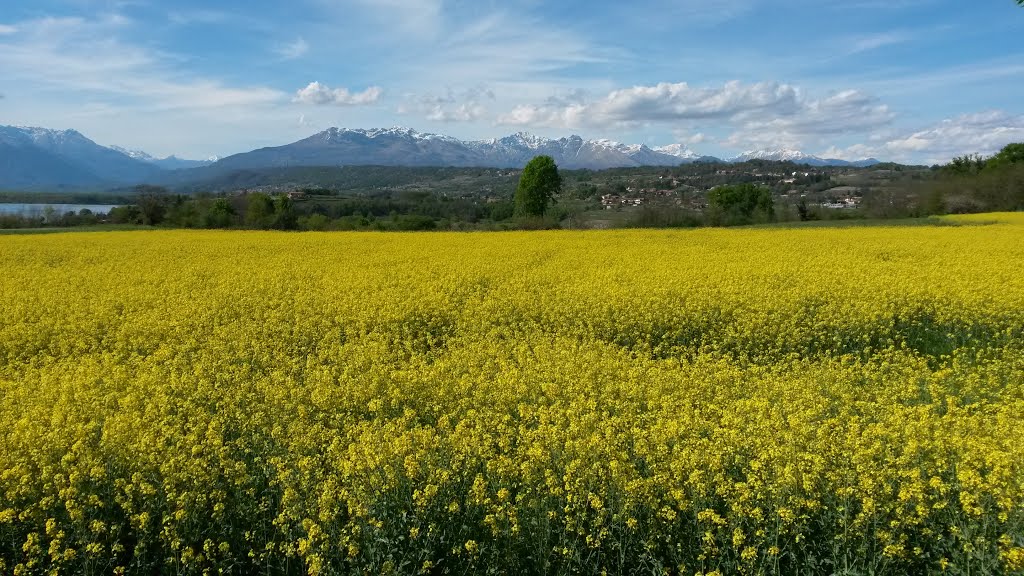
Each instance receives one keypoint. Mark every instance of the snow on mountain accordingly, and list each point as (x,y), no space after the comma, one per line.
(798,157)
(40,157)
(526,140)
(45,138)
(679,151)
(171,162)
(136,154)
(72,159)
(400,146)
(778,155)
(406,147)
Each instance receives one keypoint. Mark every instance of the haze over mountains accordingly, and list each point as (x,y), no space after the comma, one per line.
(39,158)
(171,162)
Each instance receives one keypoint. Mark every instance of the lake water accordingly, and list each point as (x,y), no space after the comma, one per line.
(40,209)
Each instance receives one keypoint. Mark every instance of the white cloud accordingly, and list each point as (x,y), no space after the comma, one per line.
(766,114)
(319,94)
(465,106)
(307,123)
(874,42)
(438,43)
(85,56)
(504,47)
(7,30)
(762,113)
(691,139)
(982,133)
(663,102)
(412,19)
(82,73)
(466,112)
(292,50)
(843,113)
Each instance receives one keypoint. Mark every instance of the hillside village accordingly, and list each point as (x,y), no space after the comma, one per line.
(829,188)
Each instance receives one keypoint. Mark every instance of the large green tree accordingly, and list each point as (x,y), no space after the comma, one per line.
(537,186)
(741,204)
(152,202)
(1009,155)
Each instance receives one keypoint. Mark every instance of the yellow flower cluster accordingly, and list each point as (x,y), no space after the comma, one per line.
(831,400)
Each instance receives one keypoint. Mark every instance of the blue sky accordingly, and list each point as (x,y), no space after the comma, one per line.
(908,80)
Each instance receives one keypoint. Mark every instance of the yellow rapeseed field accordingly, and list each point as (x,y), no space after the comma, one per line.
(776,401)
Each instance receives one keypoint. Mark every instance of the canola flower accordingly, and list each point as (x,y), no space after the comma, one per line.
(836,401)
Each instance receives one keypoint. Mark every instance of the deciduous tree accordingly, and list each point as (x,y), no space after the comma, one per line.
(741,204)
(537,186)
(1010,154)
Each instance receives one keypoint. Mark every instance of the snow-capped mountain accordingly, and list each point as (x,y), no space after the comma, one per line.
(32,157)
(39,157)
(679,151)
(171,162)
(778,155)
(798,157)
(407,147)
(136,154)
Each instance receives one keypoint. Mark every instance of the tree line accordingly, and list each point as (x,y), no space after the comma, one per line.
(544,199)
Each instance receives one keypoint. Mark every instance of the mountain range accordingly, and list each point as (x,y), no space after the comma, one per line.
(40,158)
(797,157)
(171,162)
(406,147)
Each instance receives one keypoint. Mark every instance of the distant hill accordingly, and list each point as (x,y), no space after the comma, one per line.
(27,167)
(171,162)
(43,158)
(40,158)
(405,147)
(409,148)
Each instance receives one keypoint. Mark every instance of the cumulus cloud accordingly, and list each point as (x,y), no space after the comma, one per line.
(465,106)
(292,50)
(321,95)
(691,139)
(664,102)
(760,115)
(846,112)
(982,133)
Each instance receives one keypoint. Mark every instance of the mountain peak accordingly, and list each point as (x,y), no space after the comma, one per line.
(171,162)
(43,136)
(527,138)
(679,151)
(395,131)
(136,154)
(67,158)
(778,155)
(58,158)
(789,155)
